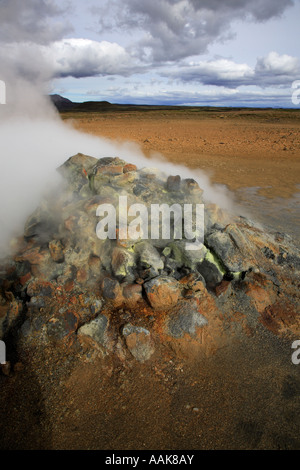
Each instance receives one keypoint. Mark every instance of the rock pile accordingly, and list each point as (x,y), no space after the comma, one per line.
(128,297)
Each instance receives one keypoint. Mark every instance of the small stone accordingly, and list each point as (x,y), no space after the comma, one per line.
(123,263)
(186,320)
(62,326)
(173,183)
(149,258)
(132,291)
(110,288)
(191,186)
(6,368)
(129,167)
(162,292)
(96,329)
(139,342)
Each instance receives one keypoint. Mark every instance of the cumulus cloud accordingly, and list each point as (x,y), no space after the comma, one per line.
(221,72)
(278,65)
(272,70)
(68,57)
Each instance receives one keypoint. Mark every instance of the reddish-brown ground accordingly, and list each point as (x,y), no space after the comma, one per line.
(237,148)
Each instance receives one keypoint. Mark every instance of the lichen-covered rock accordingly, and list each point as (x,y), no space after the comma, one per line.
(231,247)
(186,257)
(211,269)
(123,264)
(76,170)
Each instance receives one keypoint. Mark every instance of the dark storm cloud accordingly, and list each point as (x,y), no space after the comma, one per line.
(38,21)
(175,29)
(260,10)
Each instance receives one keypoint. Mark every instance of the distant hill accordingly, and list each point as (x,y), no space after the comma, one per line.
(64,105)
(61,103)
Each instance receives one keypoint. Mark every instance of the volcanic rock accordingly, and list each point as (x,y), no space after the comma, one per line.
(64,283)
(185,320)
(162,292)
(139,342)
(96,329)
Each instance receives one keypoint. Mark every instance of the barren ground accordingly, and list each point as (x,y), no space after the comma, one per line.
(237,148)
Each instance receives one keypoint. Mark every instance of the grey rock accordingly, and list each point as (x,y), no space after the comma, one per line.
(138,341)
(110,288)
(185,320)
(187,258)
(123,264)
(96,329)
(75,170)
(173,183)
(230,249)
(211,270)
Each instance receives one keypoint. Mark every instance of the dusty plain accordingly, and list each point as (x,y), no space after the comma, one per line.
(237,147)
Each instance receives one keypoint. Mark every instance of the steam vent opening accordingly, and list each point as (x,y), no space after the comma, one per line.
(132,306)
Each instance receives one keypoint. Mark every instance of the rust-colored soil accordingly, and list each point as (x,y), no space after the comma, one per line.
(243,148)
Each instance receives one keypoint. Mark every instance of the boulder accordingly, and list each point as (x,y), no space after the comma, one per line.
(231,248)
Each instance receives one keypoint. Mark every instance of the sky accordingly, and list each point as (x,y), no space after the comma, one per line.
(183,52)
